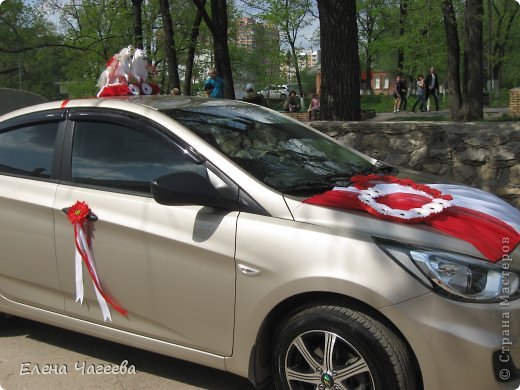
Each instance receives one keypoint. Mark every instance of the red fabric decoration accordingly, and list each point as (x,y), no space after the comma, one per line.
(114,90)
(484,231)
(77,215)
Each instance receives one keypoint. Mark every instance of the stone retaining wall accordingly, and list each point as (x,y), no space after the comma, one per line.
(484,155)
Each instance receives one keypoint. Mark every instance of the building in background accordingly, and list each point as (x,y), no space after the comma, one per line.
(252,34)
(312,58)
(262,41)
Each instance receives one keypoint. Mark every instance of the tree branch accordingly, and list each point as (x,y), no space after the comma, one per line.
(40,46)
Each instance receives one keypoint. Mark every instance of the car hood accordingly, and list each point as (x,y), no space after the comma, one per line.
(361,222)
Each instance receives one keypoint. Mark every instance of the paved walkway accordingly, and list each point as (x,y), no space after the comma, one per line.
(389,116)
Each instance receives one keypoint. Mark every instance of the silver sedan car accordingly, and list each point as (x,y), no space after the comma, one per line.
(183,226)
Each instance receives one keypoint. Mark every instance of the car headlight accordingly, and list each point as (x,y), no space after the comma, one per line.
(458,276)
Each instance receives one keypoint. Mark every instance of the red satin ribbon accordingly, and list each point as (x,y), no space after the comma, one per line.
(93,276)
(484,231)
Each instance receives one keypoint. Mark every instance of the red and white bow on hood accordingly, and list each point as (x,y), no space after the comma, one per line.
(466,213)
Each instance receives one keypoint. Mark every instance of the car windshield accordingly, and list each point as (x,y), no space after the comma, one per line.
(282,154)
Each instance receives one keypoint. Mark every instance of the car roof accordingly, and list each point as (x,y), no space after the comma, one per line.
(156,102)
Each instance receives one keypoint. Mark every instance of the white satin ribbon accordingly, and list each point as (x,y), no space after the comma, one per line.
(83,243)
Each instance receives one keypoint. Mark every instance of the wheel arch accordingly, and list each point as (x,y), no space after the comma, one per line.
(259,372)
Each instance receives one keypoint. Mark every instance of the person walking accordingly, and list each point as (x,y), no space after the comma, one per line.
(403,90)
(432,87)
(314,108)
(420,94)
(397,94)
(217,82)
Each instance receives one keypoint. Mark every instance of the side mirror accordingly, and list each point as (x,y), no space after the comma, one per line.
(188,188)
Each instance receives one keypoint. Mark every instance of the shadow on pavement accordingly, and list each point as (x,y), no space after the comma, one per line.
(149,362)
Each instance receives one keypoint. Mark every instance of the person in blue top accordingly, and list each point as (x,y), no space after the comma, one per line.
(217,82)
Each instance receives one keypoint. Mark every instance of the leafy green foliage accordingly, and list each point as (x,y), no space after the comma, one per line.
(30,56)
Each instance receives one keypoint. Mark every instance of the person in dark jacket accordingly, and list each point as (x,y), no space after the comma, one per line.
(252,96)
(292,103)
(403,91)
(432,87)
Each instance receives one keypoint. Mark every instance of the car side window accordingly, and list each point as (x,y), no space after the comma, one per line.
(119,157)
(28,150)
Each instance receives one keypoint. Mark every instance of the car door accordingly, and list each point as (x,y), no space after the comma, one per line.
(171,267)
(29,167)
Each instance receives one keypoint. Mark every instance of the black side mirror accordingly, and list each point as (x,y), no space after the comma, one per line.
(188,188)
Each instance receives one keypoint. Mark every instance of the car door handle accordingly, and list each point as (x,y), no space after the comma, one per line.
(90,216)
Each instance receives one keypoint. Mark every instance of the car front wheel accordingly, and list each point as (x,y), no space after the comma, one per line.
(331,347)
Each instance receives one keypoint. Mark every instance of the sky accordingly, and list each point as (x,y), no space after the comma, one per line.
(304,36)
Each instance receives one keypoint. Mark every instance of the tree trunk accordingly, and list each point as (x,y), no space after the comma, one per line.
(138,23)
(191,51)
(499,50)
(452,39)
(169,42)
(296,67)
(368,70)
(473,70)
(219,27)
(340,68)
(403,9)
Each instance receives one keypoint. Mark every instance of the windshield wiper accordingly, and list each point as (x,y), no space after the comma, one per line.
(378,167)
(344,177)
(307,188)
(328,182)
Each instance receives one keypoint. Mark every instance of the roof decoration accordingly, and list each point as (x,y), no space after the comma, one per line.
(126,73)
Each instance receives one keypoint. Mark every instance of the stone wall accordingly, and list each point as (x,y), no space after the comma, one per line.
(484,155)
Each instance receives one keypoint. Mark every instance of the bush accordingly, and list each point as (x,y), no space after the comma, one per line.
(499,98)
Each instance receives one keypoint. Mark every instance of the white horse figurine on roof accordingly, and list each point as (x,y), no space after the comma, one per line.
(139,65)
(118,68)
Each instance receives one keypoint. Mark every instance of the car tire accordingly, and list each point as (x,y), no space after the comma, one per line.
(331,347)
(283,96)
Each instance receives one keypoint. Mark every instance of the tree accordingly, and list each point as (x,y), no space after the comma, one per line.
(465,97)
(505,14)
(290,16)
(31,50)
(96,29)
(372,26)
(259,62)
(403,11)
(137,11)
(450,25)
(340,68)
(169,44)
(218,25)
(192,44)
(473,57)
